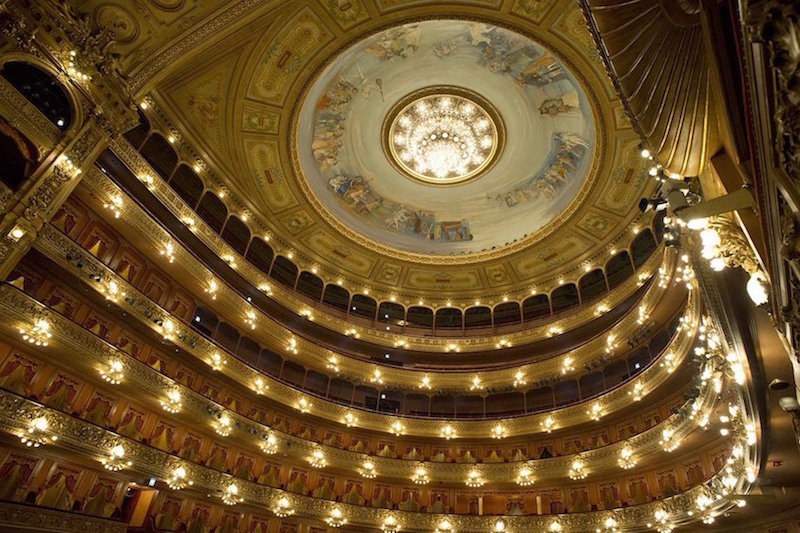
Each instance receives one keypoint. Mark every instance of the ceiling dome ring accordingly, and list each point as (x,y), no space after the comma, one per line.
(598,160)
(410,129)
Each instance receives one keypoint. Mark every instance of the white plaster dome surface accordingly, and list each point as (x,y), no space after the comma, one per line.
(549,138)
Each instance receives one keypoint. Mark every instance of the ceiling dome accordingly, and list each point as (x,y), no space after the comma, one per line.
(444,137)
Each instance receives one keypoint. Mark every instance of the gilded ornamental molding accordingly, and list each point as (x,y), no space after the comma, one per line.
(152,385)
(17,516)
(94,442)
(150,316)
(101,185)
(56,245)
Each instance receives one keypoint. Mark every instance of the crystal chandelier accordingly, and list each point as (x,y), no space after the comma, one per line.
(230,496)
(448,432)
(116,459)
(270,444)
(474,479)
(283,508)
(38,335)
(113,373)
(420,476)
(390,525)
(179,479)
(37,433)
(626,460)
(317,459)
(349,419)
(368,469)
(172,404)
(442,137)
(444,527)
(336,518)
(525,477)
(577,470)
(498,431)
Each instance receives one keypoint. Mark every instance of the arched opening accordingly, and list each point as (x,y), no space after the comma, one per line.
(316,383)
(236,234)
(616,373)
(18,154)
(658,225)
(270,362)
(363,306)
(249,351)
(477,317)
(642,246)
(442,406)
(534,307)
(391,314)
(341,390)
(260,255)
(618,269)
(420,317)
(638,359)
(213,211)
(293,373)
(42,90)
(336,297)
(469,407)
(390,401)
(159,153)
(205,321)
(566,392)
(591,384)
(227,336)
(310,286)
(564,297)
(507,403)
(416,405)
(137,135)
(448,318)
(284,271)
(366,397)
(592,285)
(540,399)
(507,313)
(187,185)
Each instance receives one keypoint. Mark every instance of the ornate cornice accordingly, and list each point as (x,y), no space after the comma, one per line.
(56,245)
(17,517)
(151,316)
(101,184)
(152,386)
(94,442)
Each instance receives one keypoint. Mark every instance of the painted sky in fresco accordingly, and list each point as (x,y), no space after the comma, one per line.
(549,137)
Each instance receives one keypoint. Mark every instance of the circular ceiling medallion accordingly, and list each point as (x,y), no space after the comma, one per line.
(443,135)
(396,157)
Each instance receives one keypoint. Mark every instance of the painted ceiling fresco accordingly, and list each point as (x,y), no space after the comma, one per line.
(546,160)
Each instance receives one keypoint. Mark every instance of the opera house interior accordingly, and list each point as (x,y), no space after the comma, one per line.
(297,266)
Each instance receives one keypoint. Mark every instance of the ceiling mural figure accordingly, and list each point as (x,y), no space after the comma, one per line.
(457,187)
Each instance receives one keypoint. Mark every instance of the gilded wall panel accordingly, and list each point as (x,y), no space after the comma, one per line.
(258,118)
(551,256)
(346,257)
(346,13)
(286,55)
(202,99)
(458,280)
(626,183)
(533,10)
(265,183)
